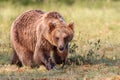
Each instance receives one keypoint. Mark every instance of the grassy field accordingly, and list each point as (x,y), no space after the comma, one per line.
(95,49)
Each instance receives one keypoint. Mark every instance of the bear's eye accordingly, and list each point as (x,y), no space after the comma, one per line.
(57,38)
(66,38)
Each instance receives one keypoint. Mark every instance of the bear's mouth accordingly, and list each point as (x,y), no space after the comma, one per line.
(61,49)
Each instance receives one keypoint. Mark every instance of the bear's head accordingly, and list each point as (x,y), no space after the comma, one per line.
(58,32)
(61,35)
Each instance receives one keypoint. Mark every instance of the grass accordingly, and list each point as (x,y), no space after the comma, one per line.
(85,72)
(94,53)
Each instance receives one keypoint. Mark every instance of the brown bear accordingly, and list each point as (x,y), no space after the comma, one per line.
(35,33)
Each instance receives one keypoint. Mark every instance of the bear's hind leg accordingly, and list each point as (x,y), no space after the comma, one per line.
(26,58)
(15,59)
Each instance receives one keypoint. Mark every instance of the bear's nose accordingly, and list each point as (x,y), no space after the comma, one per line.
(61,48)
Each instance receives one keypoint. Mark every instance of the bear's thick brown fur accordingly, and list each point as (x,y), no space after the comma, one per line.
(35,33)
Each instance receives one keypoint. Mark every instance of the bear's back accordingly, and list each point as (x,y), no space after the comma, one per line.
(28,18)
(23,30)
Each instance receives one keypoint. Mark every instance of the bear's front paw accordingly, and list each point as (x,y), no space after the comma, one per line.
(50,66)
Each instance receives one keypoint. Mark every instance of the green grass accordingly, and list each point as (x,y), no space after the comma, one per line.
(95,20)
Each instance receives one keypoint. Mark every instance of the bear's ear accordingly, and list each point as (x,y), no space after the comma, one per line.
(71,25)
(51,26)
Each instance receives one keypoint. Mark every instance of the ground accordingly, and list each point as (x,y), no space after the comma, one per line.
(94,53)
